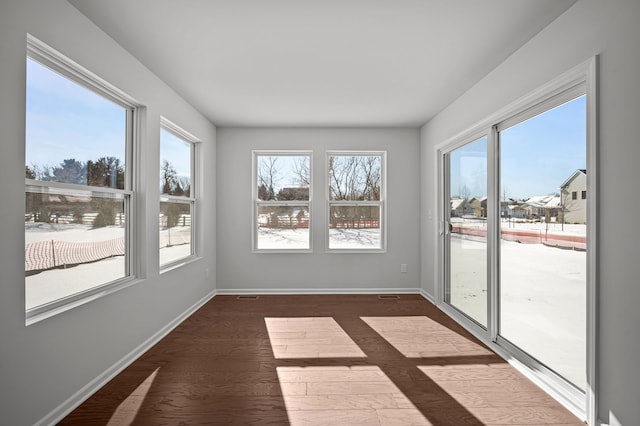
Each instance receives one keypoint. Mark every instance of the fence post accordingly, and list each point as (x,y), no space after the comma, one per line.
(53,253)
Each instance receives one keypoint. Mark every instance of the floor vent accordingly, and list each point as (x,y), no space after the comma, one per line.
(248,297)
(388,297)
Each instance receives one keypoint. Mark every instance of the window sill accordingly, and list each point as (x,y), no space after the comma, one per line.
(178,263)
(356,251)
(51,309)
(282,251)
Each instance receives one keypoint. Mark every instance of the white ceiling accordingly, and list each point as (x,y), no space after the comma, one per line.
(321,62)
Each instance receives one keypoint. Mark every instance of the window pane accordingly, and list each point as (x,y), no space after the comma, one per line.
(73,242)
(283,177)
(175,165)
(355,227)
(175,231)
(283,227)
(466,288)
(543,285)
(73,135)
(355,178)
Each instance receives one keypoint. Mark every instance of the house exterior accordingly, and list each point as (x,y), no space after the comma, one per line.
(516,211)
(460,207)
(574,197)
(544,206)
(479,206)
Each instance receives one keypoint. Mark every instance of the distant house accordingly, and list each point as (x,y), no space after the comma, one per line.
(516,211)
(478,206)
(543,206)
(460,207)
(574,197)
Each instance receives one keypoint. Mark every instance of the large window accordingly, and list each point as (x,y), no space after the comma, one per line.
(282,200)
(356,192)
(177,194)
(78,186)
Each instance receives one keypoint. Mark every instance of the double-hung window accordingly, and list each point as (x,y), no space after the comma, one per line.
(356,195)
(177,194)
(282,200)
(78,184)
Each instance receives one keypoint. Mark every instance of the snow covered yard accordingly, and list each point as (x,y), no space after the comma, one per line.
(53,284)
(298,238)
(542,299)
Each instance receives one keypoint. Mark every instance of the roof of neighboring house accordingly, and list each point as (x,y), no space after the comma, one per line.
(573,176)
(480,199)
(544,201)
(457,203)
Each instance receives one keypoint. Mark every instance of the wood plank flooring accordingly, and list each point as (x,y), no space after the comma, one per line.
(320,360)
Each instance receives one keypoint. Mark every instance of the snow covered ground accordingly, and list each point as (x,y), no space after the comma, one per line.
(173,253)
(298,238)
(175,244)
(542,299)
(349,238)
(71,232)
(283,239)
(54,284)
(516,224)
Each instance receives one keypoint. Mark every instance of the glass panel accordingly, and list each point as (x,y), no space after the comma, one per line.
(543,238)
(283,177)
(355,227)
(283,227)
(73,135)
(73,242)
(175,231)
(175,165)
(355,178)
(467,285)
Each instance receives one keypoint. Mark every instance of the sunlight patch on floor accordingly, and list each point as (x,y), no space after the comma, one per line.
(496,394)
(343,395)
(422,337)
(128,409)
(310,337)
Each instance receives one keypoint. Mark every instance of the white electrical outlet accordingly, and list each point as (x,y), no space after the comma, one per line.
(206,273)
(403,268)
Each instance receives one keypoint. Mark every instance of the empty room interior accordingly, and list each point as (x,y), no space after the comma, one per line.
(319,212)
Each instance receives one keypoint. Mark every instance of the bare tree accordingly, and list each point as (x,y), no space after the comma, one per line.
(465,192)
(302,170)
(268,177)
(168,178)
(343,177)
(372,177)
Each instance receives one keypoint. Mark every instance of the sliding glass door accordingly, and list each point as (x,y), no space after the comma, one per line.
(518,266)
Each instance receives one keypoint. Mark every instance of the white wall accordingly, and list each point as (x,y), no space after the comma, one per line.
(45,363)
(590,27)
(240,269)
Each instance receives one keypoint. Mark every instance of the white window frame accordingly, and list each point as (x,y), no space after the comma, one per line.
(257,203)
(50,58)
(192,199)
(581,79)
(349,203)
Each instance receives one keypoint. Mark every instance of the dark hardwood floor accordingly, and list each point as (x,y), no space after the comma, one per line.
(316,360)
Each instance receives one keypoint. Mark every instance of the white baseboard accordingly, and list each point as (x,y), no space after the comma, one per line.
(427,296)
(94,385)
(296,291)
